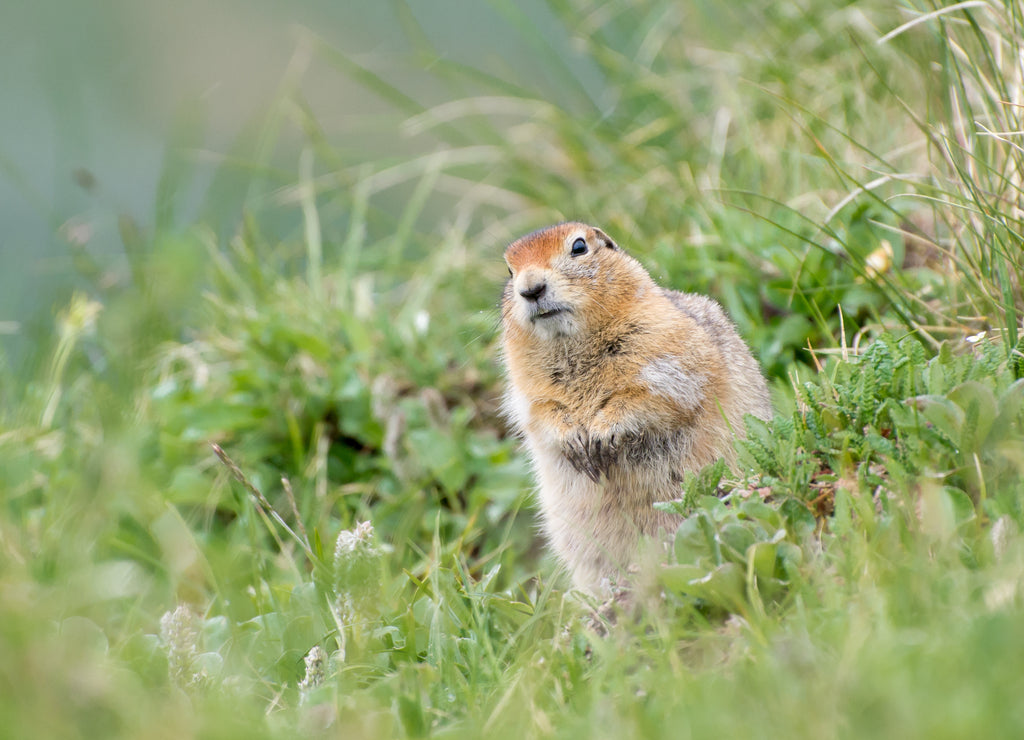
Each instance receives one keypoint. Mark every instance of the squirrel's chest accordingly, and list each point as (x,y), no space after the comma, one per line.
(584,383)
(576,368)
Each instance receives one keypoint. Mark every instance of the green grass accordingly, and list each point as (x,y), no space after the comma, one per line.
(852,198)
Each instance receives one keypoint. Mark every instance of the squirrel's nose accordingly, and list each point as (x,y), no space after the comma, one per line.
(533,291)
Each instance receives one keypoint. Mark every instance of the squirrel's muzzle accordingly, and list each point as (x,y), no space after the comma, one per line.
(533,291)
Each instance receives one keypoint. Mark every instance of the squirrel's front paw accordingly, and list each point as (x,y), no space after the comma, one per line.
(592,454)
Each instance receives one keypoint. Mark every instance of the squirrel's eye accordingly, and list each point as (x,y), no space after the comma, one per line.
(578,247)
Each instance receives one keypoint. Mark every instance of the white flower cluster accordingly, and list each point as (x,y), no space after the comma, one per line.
(316,669)
(180,634)
(357,573)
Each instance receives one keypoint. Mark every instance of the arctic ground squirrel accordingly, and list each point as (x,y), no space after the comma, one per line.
(618,388)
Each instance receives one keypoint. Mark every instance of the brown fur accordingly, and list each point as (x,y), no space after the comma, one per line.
(618,388)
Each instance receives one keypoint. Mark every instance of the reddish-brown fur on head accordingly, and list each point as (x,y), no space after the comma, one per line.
(539,247)
(562,280)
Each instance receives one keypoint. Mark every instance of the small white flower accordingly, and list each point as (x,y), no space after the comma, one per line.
(1001,535)
(351,540)
(421,322)
(316,669)
(357,572)
(180,634)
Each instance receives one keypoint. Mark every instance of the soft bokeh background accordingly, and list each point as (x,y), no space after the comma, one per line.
(96,94)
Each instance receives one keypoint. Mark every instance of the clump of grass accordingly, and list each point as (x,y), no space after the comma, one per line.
(360,407)
(976,187)
(947,197)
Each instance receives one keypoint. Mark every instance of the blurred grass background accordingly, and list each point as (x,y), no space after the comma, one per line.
(278,231)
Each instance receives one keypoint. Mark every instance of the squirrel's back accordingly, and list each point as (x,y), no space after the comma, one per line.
(618,388)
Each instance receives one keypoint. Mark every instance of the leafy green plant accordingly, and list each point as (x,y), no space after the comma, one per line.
(735,558)
(884,419)
(334,393)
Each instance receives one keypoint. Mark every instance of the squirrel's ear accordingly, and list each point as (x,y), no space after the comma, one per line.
(605,239)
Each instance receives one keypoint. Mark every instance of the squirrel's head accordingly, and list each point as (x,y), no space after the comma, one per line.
(567,279)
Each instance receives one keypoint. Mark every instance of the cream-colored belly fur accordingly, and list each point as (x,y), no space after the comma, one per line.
(596,528)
